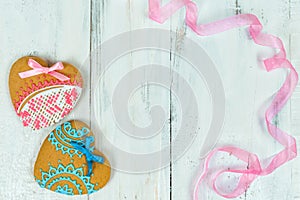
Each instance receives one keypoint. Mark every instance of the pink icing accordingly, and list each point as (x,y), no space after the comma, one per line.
(48,108)
(23,93)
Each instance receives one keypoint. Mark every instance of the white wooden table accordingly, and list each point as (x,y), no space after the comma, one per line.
(70,30)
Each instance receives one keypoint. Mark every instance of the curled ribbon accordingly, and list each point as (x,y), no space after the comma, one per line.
(37,69)
(87,150)
(247,176)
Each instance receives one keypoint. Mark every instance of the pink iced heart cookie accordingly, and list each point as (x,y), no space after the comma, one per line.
(42,95)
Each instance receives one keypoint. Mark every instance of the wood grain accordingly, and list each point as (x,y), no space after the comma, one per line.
(73,31)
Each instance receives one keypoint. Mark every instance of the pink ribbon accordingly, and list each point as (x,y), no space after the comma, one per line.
(37,69)
(247,176)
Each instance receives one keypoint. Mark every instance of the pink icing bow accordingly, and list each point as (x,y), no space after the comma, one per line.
(160,13)
(37,69)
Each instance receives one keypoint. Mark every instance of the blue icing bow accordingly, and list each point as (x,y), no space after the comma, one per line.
(87,150)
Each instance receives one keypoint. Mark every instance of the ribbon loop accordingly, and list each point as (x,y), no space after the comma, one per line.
(37,69)
(87,150)
(246,178)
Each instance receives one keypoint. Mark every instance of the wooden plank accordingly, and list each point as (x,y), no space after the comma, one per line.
(188,166)
(267,187)
(294,37)
(53,30)
(110,18)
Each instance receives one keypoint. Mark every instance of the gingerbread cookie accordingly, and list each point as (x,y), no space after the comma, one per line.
(67,162)
(42,95)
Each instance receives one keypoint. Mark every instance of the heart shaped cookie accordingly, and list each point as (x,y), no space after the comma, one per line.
(43,95)
(67,162)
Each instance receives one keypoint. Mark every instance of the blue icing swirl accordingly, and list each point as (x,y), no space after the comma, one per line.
(64,173)
(57,135)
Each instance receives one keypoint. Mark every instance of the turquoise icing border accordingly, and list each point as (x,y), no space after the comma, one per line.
(71,132)
(64,173)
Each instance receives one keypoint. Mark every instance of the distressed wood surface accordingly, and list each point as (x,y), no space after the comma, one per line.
(73,30)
